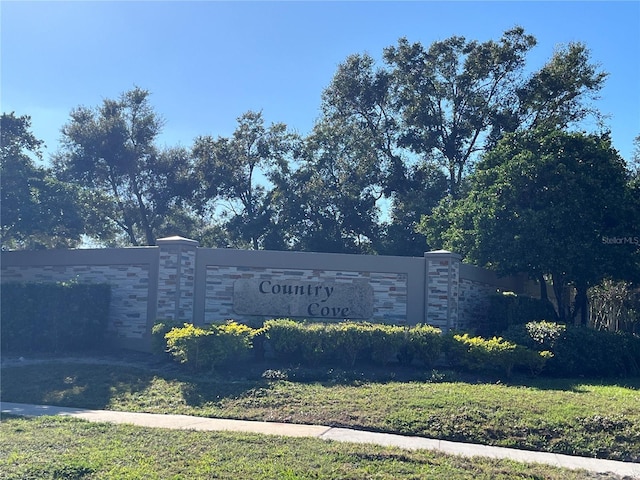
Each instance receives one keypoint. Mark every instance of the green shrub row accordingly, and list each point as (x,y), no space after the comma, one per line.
(53,317)
(342,343)
(349,342)
(533,348)
(581,351)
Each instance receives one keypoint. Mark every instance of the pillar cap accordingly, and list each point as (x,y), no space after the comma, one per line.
(443,253)
(176,240)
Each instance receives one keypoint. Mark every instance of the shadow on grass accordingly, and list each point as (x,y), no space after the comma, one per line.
(97,383)
(105,381)
(576,385)
(70,384)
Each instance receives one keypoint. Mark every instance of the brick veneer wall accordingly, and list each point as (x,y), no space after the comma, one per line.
(397,282)
(177,280)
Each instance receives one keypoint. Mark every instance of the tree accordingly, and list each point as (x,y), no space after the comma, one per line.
(446,104)
(633,212)
(449,95)
(358,113)
(559,94)
(227,169)
(425,185)
(110,152)
(328,204)
(37,210)
(458,97)
(543,202)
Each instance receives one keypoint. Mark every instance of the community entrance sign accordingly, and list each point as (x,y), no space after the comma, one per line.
(302,299)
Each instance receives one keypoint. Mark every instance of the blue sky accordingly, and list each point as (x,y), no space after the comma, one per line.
(208,62)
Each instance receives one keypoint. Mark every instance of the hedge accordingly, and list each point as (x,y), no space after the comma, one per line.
(53,317)
(347,343)
(581,351)
(532,348)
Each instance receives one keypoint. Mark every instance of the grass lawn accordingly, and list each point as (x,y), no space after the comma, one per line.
(64,448)
(580,417)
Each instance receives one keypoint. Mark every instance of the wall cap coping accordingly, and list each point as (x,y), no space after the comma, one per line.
(176,240)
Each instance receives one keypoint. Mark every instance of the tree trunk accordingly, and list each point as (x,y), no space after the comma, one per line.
(543,288)
(558,291)
(581,303)
(144,214)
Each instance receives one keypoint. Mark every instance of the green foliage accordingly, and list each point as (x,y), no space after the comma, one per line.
(540,203)
(158,332)
(496,354)
(350,342)
(227,168)
(544,334)
(385,341)
(53,317)
(312,343)
(580,350)
(286,338)
(407,131)
(36,210)
(592,353)
(426,343)
(507,309)
(110,152)
(345,341)
(208,347)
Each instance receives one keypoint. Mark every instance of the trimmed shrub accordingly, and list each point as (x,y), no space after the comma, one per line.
(580,351)
(206,348)
(508,309)
(536,335)
(286,338)
(386,341)
(314,343)
(425,343)
(344,342)
(545,335)
(314,347)
(53,317)
(477,354)
(347,343)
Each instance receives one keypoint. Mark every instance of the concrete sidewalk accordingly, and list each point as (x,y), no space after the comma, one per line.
(185,422)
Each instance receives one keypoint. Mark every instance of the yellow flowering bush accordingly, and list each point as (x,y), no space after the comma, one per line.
(208,347)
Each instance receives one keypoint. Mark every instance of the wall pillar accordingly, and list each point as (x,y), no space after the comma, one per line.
(176,278)
(442,289)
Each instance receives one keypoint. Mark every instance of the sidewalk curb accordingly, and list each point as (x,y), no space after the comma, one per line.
(186,422)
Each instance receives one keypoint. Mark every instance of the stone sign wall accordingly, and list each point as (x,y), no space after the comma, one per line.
(233,292)
(286,298)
